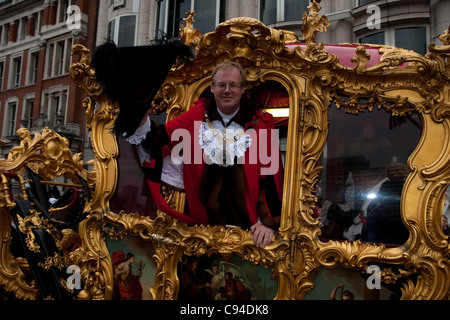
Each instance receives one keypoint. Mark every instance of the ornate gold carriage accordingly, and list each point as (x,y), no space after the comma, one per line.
(328,102)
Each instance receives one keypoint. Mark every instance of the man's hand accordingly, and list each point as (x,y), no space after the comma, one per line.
(262,235)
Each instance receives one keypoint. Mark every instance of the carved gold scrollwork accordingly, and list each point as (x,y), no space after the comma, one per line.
(82,74)
(12,269)
(312,24)
(46,153)
(188,34)
(31,222)
(93,259)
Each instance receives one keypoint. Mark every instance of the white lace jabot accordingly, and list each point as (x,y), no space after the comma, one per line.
(222,144)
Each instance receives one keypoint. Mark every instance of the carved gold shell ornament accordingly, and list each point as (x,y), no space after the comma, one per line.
(400,82)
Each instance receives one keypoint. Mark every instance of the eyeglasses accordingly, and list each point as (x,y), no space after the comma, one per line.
(232,86)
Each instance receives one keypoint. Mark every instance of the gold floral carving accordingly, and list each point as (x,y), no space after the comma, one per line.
(188,34)
(312,24)
(31,222)
(12,275)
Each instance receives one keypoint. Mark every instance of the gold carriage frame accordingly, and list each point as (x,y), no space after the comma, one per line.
(312,77)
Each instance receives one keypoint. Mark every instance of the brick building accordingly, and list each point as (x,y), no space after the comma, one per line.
(36,90)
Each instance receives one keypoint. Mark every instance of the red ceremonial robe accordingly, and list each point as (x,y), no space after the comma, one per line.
(257,157)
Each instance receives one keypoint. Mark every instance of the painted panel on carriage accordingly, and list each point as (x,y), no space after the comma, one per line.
(349,284)
(216,278)
(133,267)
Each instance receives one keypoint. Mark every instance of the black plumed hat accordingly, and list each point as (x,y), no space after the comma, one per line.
(131,76)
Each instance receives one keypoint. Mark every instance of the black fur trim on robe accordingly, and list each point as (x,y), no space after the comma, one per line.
(272,202)
(222,189)
(222,192)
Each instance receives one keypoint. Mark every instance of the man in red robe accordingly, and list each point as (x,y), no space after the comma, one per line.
(230,157)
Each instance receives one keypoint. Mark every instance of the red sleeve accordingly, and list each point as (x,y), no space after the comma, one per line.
(185,120)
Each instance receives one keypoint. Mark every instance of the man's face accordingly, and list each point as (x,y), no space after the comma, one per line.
(227,90)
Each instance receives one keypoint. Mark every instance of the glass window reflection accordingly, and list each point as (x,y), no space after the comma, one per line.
(364,172)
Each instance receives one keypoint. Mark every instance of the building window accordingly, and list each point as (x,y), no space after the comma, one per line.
(414,38)
(118,4)
(376,38)
(55,105)
(127,31)
(409,38)
(363,2)
(16,70)
(12,109)
(55,109)
(58,58)
(293,9)
(33,67)
(23,23)
(63,6)
(122,30)
(112,30)
(171,14)
(5,34)
(268,11)
(28,114)
(2,68)
(209,13)
(272,11)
